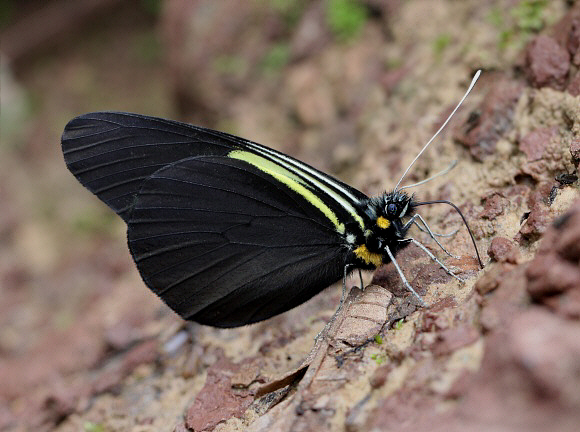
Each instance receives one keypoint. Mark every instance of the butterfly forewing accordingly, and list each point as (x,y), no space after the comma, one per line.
(111,153)
(226,244)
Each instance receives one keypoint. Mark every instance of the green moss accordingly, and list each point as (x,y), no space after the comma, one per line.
(148,47)
(345,18)
(505,36)
(516,25)
(276,58)
(63,320)
(230,65)
(440,43)
(93,427)
(379,358)
(95,222)
(394,63)
(495,17)
(290,11)
(7,9)
(152,7)
(529,15)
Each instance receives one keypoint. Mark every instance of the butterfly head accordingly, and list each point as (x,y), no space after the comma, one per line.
(386,228)
(388,212)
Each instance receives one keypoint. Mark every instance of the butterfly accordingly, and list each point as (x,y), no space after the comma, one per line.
(228,232)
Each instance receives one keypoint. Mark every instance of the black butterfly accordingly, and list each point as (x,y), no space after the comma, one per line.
(226,231)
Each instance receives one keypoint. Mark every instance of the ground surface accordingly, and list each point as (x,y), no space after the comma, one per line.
(85,346)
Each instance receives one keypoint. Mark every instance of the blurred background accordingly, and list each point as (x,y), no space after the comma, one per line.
(351,87)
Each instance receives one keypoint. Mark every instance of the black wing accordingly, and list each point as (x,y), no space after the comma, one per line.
(112,153)
(225,244)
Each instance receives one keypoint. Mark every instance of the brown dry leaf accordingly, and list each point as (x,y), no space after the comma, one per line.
(330,364)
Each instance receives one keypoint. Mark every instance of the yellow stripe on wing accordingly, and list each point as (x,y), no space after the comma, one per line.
(290,179)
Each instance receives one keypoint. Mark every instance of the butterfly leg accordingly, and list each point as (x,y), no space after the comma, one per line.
(344,293)
(433,257)
(324,331)
(451,234)
(413,221)
(402,276)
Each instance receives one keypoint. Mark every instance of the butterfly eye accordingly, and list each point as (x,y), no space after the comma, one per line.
(391,209)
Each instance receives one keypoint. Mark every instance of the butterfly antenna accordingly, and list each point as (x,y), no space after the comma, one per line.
(452,165)
(473,81)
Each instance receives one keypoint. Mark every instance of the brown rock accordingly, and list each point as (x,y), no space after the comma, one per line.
(574,85)
(180,427)
(566,304)
(431,273)
(491,120)
(493,206)
(547,63)
(529,379)
(7,418)
(59,404)
(452,339)
(541,148)
(568,243)
(145,352)
(549,275)
(503,250)
(387,276)
(488,282)
(573,43)
(536,223)
(535,143)
(539,195)
(460,385)
(547,349)
(120,336)
(554,274)
(567,33)
(509,296)
(379,376)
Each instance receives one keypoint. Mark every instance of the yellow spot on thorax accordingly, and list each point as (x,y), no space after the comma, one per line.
(383,223)
(369,257)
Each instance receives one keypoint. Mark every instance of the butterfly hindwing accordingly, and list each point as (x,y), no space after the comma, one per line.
(224,243)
